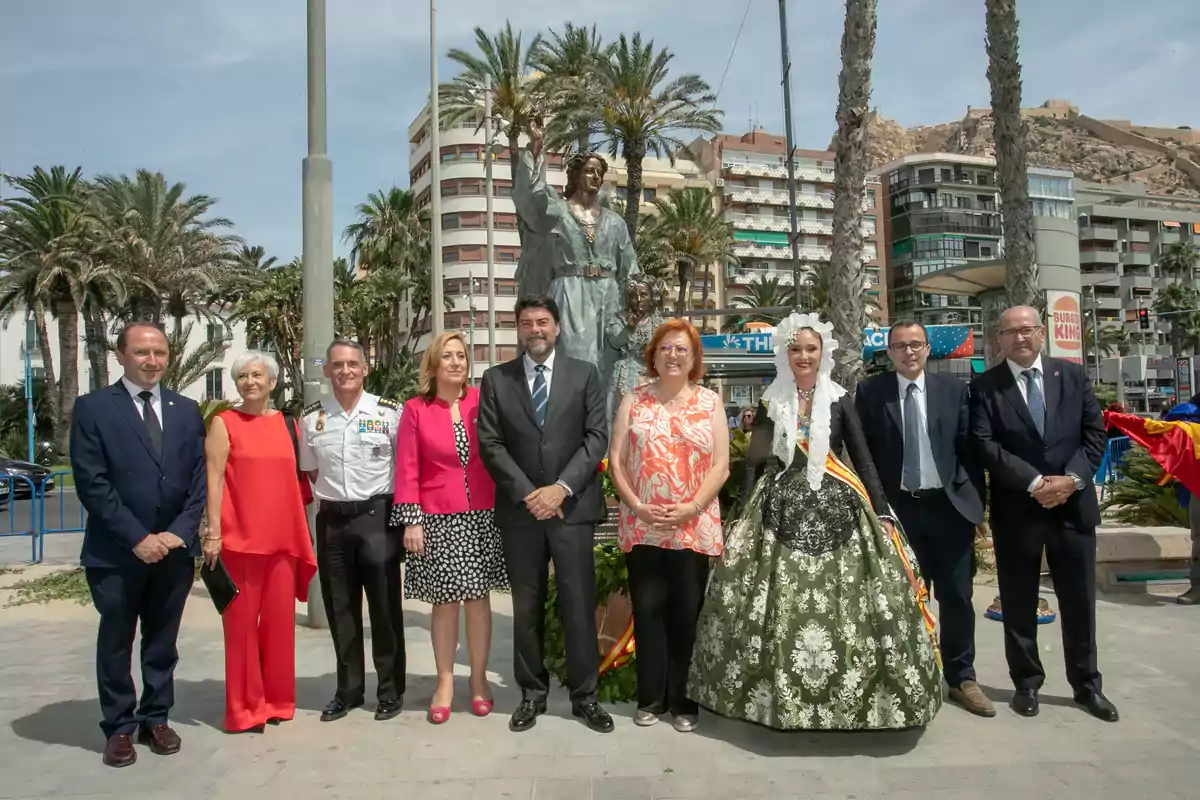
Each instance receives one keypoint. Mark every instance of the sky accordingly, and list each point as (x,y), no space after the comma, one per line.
(213,93)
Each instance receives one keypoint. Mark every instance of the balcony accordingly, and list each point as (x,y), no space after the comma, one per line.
(1135,259)
(807,252)
(1098,233)
(1099,257)
(1166,237)
(740,193)
(806,173)
(952,223)
(1139,236)
(1131,282)
(1106,276)
(811,227)
(1104,302)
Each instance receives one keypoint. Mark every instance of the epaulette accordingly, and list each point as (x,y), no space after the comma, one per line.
(311,408)
(388,402)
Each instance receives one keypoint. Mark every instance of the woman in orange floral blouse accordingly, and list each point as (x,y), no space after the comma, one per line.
(669,458)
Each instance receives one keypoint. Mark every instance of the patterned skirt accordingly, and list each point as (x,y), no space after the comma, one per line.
(810,620)
(463,559)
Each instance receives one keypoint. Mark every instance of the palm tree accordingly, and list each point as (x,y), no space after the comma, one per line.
(1004,75)
(1175,301)
(44,249)
(516,98)
(390,230)
(189,366)
(850,164)
(1179,260)
(271,308)
(154,234)
(696,236)
(641,111)
(1112,338)
(568,63)
(762,292)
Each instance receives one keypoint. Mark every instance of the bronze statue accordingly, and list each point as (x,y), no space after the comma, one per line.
(576,251)
(644,297)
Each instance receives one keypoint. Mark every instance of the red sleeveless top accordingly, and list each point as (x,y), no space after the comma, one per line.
(262,512)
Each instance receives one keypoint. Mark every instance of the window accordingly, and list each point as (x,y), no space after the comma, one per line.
(213,384)
(216,332)
(648,195)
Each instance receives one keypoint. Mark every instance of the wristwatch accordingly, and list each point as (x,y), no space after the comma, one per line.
(1079,484)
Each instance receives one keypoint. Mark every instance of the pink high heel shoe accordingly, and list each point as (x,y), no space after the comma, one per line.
(481,708)
(438,715)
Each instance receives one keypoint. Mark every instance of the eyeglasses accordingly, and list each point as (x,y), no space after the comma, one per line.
(901,347)
(1025,332)
(668,349)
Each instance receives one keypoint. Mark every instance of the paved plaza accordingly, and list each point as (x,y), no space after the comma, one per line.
(50,744)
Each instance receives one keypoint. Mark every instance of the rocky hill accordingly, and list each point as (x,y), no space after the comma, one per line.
(1058,142)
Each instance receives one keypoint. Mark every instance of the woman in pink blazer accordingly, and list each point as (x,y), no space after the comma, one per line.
(444,500)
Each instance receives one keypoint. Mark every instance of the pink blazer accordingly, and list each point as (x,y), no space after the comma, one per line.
(428,471)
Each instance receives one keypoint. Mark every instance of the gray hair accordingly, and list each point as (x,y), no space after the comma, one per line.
(336,343)
(255,357)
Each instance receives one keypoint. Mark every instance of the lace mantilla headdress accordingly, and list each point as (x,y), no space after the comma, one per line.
(783,400)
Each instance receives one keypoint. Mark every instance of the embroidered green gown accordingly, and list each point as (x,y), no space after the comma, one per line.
(813,619)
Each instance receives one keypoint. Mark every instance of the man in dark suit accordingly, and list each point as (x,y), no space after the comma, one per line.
(137,451)
(916,424)
(542,435)
(1040,434)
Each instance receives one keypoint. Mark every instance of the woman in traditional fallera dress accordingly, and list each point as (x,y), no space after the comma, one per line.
(814,619)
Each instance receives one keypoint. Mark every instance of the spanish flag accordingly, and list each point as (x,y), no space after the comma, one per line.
(1175,445)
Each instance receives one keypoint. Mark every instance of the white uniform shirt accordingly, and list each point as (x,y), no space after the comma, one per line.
(929,474)
(354,452)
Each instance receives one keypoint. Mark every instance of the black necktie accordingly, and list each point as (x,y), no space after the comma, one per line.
(153,428)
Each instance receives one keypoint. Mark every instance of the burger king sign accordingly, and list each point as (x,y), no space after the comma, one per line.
(1065,326)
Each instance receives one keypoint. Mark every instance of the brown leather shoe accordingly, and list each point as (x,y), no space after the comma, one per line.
(119,752)
(968,695)
(162,740)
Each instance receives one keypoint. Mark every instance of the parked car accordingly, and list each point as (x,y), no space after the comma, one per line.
(24,479)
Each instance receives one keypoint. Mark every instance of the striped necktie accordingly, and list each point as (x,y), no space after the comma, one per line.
(1035,400)
(541,393)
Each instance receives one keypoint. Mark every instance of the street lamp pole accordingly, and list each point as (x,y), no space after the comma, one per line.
(30,419)
(794,237)
(317,261)
(435,181)
(487,191)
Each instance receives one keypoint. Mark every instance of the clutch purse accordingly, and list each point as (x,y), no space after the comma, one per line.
(221,587)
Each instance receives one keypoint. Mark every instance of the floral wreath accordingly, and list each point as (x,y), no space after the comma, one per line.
(783,401)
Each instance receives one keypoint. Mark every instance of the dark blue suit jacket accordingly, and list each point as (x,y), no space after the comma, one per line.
(130,491)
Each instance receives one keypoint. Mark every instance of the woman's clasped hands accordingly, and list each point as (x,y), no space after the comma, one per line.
(666,516)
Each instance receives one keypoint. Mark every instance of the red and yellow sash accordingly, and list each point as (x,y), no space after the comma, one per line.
(834,467)
(619,654)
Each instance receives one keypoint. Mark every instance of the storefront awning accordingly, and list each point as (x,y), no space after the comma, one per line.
(968,279)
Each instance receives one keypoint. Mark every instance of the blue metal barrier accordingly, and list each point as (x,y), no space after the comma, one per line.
(11,487)
(1111,464)
(58,523)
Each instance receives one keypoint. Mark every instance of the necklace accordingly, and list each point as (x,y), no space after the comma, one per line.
(679,397)
(585,221)
(806,394)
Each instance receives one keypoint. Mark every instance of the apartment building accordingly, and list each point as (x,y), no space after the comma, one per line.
(943,236)
(464,231)
(751,179)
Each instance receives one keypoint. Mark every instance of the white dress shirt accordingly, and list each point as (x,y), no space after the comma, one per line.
(548,373)
(929,474)
(531,371)
(1040,380)
(155,398)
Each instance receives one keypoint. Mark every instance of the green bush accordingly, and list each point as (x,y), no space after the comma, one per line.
(1138,499)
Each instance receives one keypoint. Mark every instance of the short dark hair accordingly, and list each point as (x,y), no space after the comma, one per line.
(907,323)
(345,343)
(123,334)
(538,301)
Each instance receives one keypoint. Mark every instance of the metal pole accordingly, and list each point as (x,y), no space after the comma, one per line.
(791,165)
(1095,336)
(435,181)
(30,419)
(317,269)
(487,191)
(471,324)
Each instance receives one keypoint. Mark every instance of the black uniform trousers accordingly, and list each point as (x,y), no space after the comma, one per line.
(528,551)
(355,554)
(944,544)
(153,595)
(666,588)
(1071,555)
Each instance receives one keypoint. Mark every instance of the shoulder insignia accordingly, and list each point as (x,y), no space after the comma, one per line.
(388,402)
(310,408)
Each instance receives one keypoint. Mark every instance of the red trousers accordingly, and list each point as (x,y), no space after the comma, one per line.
(260,640)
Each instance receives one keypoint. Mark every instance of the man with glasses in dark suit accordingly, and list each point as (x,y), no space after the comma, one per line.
(916,424)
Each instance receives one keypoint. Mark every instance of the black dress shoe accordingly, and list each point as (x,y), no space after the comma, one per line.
(387,709)
(1189,598)
(1025,702)
(1098,706)
(595,717)
(275,720)
(162,740)
(118,750)
(337,709)
(525,717)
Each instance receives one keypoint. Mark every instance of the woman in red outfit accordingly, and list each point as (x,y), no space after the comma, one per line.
(258,528)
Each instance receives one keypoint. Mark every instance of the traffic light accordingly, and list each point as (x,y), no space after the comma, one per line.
(1144,318)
